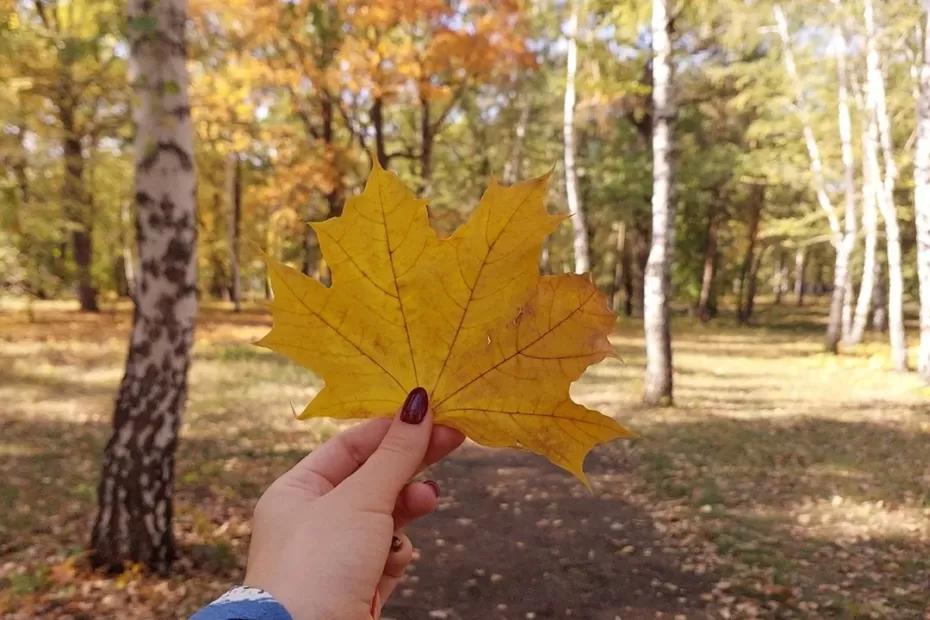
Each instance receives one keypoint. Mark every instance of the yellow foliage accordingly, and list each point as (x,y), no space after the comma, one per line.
(467,317)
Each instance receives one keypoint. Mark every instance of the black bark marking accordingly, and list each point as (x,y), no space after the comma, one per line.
(178,251)
(180,112)
(169,147)
(143,200)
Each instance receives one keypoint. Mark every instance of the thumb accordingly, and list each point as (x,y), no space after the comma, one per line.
(377,483)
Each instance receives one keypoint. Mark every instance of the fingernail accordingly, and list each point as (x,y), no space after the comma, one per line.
(414,409)
(432,484)
(396,544)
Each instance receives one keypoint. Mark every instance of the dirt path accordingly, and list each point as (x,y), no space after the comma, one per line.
(517,538)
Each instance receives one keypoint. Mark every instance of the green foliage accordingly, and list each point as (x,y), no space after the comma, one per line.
(292,87)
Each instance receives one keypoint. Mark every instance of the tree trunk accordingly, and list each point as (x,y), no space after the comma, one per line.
(847,317)
(841,240)
(579,227)
(620,249)
(746,291)
(234,201)
(799,264)
(879,300)
(311,253)
(841,295)
(377,123)
(780,276)
(334,200)
(922,204)
(133,522)
(128,262)
(216,258)
(513,169)
(426,146)
(629,294)
(640,257)
(752,286)
(706,308)
(870,230)
(886,206)
(810,142)
(820,287)
(545,266)
(658,379)
(896,333)
(77,210)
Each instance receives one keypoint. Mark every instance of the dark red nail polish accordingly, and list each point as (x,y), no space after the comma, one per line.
(396,544)
(414,409)
(432,484)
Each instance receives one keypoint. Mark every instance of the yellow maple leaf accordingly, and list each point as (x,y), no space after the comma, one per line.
(468,317)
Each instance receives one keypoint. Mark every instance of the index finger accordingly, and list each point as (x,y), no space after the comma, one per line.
(339,457)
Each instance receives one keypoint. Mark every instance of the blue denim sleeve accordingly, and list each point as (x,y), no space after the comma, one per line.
(243,603)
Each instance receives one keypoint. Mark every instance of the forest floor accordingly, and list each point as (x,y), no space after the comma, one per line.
(784,483)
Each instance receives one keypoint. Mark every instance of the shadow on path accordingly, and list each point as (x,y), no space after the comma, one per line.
(515,537)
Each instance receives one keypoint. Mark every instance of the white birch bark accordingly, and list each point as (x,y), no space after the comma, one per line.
(579,226)
(658,379)
(848,296)
(810,142)
(134,520)
(513,169)
(841,298)
(842,239)
(870,231)
(922,200)
(875,89)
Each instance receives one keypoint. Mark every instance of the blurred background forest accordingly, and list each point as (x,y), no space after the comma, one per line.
(290,99)
(782,148)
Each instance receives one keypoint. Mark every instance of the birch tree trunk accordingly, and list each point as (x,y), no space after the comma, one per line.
(513,169)
(234,199)
(656,288)
(870,230)
(875,87)
(841,240)
(847,306)
(840,322)
(880,299)
(579,227)
(922,201)
(133,522)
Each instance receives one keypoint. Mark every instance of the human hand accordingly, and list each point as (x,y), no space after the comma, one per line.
(327,539)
